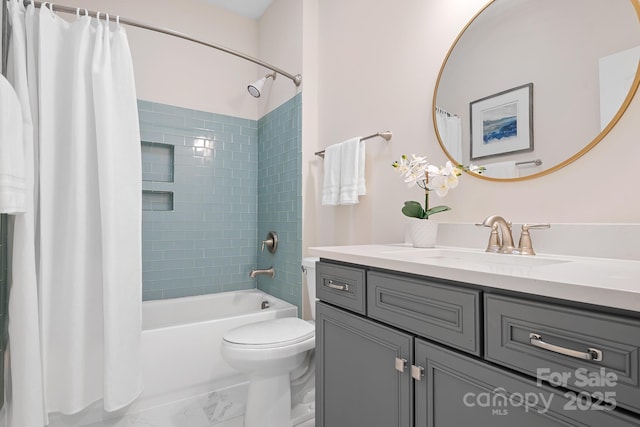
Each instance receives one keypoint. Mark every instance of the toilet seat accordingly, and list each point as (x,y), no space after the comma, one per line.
(282,332)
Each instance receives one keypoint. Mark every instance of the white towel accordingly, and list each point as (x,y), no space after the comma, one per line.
(350,171)
(331,183)
(501,170)
(362,186)
(13,193)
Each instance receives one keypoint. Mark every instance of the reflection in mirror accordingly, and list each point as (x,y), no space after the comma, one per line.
(581,57)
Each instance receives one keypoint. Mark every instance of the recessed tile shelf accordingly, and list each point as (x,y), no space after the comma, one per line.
(157,200)
(157,162)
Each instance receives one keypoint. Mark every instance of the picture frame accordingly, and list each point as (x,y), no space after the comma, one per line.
(502,123)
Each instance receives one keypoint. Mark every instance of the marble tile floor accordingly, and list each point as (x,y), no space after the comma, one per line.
(221,408)
(224,408)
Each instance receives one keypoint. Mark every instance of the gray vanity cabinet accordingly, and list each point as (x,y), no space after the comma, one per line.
(425,352)
(355,363)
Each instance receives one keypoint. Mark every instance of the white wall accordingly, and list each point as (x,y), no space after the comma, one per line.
(280,44)
(180,72)
(378,63)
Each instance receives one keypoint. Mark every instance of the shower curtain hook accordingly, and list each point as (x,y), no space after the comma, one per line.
(118,21)
(49,6)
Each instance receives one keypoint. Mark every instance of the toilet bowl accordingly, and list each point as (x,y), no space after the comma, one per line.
(273,353)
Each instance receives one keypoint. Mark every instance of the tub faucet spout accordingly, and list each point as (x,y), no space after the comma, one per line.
(260,271)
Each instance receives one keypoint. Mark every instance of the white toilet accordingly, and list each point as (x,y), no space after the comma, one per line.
(277,355)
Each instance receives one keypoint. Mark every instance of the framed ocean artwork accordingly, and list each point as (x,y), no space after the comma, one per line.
(502,123)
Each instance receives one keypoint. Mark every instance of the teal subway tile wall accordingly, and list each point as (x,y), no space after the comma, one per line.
(213,186)
(199,227)
(280,199)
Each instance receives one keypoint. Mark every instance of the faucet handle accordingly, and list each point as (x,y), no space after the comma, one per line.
(268,243)
(494,238)
(271,242)
(525,246)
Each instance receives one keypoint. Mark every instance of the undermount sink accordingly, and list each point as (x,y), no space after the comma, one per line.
(462,257)
(493,258)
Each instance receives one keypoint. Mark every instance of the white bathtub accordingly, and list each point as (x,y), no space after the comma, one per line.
(181,357)
(181,341)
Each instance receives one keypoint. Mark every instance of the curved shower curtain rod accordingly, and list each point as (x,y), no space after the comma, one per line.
(297,79)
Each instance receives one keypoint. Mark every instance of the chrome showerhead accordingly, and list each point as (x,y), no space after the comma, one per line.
(255,88)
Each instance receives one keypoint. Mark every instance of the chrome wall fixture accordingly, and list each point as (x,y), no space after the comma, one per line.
(271,242)
(296,79)
(255,88)
(386,135)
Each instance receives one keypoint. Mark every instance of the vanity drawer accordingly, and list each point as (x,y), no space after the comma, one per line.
(573,348)
(341,285)
(441,312)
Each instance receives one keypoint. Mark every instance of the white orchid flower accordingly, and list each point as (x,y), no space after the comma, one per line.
(416,170)
(452,181)
(440,184)
(434,170)
(450,169)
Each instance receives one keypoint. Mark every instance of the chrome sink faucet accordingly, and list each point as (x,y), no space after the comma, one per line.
(504,240)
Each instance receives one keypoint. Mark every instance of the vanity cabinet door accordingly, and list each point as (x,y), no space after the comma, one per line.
(357,383)
(457,390)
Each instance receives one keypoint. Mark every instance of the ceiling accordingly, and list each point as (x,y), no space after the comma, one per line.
(249,8)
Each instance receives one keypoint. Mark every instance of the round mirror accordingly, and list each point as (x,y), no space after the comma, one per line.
(531,85)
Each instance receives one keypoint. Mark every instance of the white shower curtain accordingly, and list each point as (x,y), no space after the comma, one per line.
(76,80)
(450,130)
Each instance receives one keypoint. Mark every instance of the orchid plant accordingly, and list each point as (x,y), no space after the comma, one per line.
(418,171)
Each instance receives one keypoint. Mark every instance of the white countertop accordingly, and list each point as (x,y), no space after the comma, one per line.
(600,281)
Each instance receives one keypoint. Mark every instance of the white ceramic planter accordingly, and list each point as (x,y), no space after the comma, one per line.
(423,233)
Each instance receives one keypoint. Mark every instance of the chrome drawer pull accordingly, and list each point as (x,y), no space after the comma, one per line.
(338,286)
(592,354)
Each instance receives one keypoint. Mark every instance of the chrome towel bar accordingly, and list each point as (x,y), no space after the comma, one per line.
(386,135)
(536,162)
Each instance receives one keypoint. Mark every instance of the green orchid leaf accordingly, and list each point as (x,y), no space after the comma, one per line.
(437,209)
(413,209)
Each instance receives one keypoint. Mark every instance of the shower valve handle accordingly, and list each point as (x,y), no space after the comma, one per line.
(271,242)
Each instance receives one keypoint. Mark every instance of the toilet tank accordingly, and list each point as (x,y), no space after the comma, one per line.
(309,268)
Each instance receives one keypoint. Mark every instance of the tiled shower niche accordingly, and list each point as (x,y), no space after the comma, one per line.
(157,200)
(157,168)
(157,162)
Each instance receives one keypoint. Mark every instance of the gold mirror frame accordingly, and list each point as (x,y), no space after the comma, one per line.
(589,146)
